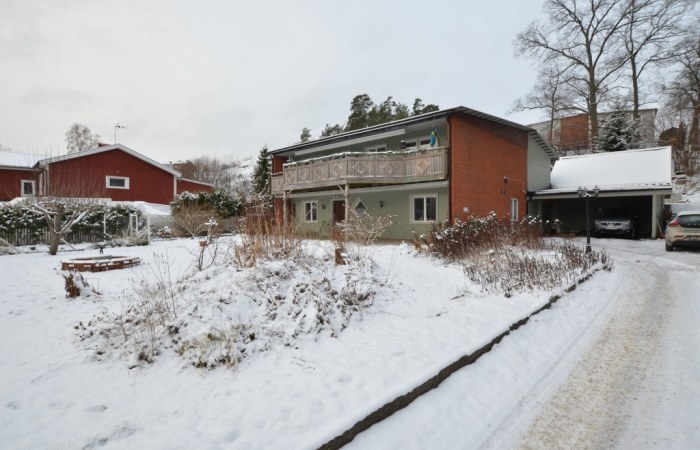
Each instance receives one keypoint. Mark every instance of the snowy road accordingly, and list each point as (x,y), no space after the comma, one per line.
(616,364)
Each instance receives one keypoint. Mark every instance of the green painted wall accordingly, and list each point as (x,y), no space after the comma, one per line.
(396,203)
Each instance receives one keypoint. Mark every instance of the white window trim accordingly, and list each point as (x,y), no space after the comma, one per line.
(312,220)
(412,208)
(377,148)
(21,188)
(514,206)
(357,202)
(112,177)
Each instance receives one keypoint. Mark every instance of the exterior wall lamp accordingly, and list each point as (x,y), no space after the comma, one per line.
(586,194)
(381,203)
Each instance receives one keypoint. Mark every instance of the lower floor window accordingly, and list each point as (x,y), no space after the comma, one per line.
(310,211)
(424,208)
(27,188)
(117,182)
(513,209)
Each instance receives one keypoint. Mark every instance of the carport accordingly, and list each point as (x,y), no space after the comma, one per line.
(634,181)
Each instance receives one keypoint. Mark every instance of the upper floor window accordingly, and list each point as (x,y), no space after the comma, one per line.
(28,188)
(117,182)
(376,148)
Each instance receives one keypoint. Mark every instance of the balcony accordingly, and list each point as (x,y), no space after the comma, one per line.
(363,168)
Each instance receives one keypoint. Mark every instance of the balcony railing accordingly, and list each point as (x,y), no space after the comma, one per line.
(371,168)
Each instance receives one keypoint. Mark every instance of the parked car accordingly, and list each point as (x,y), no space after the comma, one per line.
(683,230)
(616,223)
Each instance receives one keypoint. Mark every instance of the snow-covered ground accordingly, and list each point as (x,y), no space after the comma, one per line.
(57,392)
(613,365)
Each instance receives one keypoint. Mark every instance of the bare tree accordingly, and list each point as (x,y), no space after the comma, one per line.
(683,92)
(550,94)
(650,37)
(79,138)
(584,37)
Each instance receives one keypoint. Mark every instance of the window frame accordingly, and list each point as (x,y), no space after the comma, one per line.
(115,177)
(313,210)
(356,204)
(32,183)
(376,148)
(514,209)
(412,212)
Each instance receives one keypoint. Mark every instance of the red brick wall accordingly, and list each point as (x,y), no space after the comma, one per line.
(191,186)
(86,177)
(10,182)
(573,133)
(481,154)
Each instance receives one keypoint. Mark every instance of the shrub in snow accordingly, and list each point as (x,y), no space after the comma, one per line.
(228,312)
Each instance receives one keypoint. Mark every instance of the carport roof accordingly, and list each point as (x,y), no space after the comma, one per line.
(628,171)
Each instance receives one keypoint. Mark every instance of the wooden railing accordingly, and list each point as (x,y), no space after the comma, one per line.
(381,167)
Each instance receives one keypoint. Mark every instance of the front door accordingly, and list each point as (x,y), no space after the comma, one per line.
(338,211)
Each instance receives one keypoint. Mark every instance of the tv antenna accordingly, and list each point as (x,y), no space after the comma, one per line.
(118,126)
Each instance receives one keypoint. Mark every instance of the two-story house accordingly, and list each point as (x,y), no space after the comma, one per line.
(442,165)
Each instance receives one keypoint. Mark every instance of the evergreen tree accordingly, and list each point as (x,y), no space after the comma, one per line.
(305,135)
(381,113)
(420,108)
(261,176)
(359,112)
(331,130)
(618,133)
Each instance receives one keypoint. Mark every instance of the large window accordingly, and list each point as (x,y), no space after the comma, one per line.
(310,211)
(28,188)
(424,208)
(117,182)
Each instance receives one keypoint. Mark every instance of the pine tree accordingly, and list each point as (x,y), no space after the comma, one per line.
(305,135)
(331,130)
(359,112)
(618,133)
(261,176)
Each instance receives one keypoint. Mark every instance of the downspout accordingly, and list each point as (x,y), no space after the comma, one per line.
(450,215)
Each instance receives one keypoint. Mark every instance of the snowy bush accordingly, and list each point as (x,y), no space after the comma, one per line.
(511,269)
(227,313)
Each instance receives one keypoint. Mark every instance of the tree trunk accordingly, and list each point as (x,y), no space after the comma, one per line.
(694,134)
(55,230)
(635,89)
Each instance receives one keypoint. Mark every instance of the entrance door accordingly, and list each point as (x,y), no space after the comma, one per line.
(338,211)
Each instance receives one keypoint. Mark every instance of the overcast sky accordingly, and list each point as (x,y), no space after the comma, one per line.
(224,78)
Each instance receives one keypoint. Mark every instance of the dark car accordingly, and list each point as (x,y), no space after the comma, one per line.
(616,223)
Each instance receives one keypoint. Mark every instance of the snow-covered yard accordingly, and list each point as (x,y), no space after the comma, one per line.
(61,389)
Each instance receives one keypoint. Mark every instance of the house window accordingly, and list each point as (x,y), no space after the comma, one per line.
(376,148)
(513,209)
(409,144)
(424,142)
(360,208)
(117,182)
(28,188)
(424,208)
(310,211)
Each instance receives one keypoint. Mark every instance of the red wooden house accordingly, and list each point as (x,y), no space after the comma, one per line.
(113,171)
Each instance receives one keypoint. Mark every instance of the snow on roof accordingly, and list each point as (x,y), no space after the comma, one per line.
(619,170)
(14,159)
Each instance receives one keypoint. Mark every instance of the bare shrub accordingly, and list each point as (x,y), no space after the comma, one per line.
(266,242)
(357,234)
(76,285)
(193,217)
(512,269)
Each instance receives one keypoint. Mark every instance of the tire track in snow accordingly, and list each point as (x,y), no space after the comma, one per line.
(591,409)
